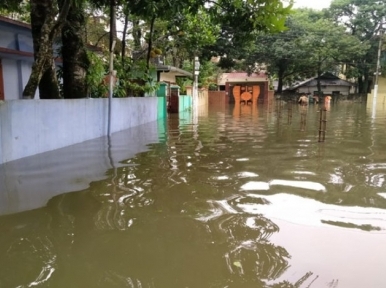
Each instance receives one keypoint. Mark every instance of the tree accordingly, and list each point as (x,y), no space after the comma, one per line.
(192,32)
(66,18)
(16,9)
(237,20)
(310,46)
(329,46)
(363,19)
(240,21)
(150,10)
(44,40)
(282,53)
(48,85)
(36,12)
(73,51)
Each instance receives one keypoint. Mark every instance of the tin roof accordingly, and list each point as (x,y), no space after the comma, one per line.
(326,79)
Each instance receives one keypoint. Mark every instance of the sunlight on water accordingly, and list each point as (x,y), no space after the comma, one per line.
(247,175)
(255,185)
(299,184)
(299,210)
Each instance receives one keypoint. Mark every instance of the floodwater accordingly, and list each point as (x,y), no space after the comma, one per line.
(249,197)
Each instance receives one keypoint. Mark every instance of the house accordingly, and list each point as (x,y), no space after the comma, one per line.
(169,74)
(16,58)
(244,87)
(330,84)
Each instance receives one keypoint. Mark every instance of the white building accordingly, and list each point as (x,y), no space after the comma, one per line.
(16,58)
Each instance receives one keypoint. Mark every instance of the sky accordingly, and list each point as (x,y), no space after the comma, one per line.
(315,4)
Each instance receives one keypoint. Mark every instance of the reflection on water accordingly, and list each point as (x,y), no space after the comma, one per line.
(243,199)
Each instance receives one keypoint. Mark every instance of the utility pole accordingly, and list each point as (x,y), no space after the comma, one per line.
(111,62)
(196,70)
(377,72)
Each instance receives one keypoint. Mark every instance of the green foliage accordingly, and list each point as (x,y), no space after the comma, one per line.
(134,79)
(226,63)
(193,31)
(208,72)
(95,75)
(212,87)
(183,83)
(312,44)
(182,30)
(9,6)
(59,75)
(282,53)
(240,21)
(252,14)
(183,35)
(363,19)
(330,44)
(16,9)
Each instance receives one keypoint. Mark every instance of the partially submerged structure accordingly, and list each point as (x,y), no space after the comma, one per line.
(169,74)
(244,87)
(330,85)
(167,77)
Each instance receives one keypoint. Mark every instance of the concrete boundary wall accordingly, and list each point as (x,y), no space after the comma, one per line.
(30,127)
(29,183)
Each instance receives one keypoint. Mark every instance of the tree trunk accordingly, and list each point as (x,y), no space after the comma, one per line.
(37,69)
(137,34)
(123,54)
(280,80)
(48,86)
(174,59)
(318,82)
(75,60)
(360,84)
(43,56)
(366,84)
(150,43)
(113,24)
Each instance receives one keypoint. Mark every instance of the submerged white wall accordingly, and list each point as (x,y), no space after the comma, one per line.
(29,183)
(30,127)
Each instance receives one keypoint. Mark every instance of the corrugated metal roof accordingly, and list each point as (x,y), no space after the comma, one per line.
(326,79)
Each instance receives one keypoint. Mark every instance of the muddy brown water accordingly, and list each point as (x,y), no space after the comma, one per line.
(246,197)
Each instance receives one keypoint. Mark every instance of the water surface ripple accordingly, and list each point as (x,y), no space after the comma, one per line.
(245,197)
